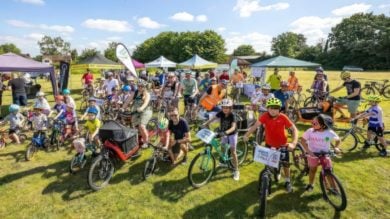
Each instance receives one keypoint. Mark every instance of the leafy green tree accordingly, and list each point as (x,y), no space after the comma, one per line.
(244,50)
(86,53)
(74,55)
(288,44)
(9,47)
(310,53)
(110,52)
(54,46)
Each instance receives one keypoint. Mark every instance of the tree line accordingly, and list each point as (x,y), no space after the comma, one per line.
(361,40)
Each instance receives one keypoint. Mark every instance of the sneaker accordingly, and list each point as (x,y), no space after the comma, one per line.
(236,175)
(383,153)
(184,161)
(144,146)
(288,187)
(309,188)
(221,164)
(366,145)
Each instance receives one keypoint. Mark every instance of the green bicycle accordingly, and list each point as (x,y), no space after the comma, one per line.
(202,167)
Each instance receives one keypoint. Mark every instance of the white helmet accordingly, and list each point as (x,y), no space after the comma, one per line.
(40,94)
(266,87)
(226,103)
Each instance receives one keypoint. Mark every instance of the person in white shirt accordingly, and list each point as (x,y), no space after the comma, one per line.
(262,98)
(110,83)
(42,103)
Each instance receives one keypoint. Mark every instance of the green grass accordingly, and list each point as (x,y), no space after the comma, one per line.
(43,188)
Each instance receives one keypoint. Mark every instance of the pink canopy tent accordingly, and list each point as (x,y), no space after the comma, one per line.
(137,64)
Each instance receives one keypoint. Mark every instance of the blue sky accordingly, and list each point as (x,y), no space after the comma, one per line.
(93,24)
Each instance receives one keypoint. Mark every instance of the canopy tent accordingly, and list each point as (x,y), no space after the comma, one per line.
(161,62)
(281,61)
(16,63)
(242,62)
(197,62)
(97,62)
(352,68)
(137,64)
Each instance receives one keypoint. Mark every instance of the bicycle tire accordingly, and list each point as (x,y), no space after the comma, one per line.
(378,145)
(242,152)
(106,170)
(83,105)
(208,171)
(150,167)
(263,194)
(31,149)
(299,159)
(328,197)
(310,102)
(75,164)
(386,91)
(349,141)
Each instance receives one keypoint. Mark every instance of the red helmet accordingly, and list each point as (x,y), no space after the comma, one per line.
(59,97)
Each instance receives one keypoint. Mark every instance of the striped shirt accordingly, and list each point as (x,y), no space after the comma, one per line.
(376,116)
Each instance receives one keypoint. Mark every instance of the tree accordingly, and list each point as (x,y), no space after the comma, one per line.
(54,46)
(9,47)
(74,55)
(311,53)
(110,52)
(288,44)
(244,50)
(86,53)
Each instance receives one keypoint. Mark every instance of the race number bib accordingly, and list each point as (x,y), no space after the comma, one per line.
(240,85)
(267,156)
(206,135)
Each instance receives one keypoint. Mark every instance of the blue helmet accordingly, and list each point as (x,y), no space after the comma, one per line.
(13,108)
(66,91)
(92,110)
(126,88)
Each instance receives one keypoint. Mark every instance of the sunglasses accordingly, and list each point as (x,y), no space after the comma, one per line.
(226,107)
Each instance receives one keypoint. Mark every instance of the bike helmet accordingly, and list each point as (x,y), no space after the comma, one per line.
(163,123)
(142,82)
(325,120)
(109,74)
(266,87)
(92,110)
(126,88)
(66,91)
(214,79)
(345,75)
(319,69)
(13,108)
(226,103)
(273,102)
(374,98)
(59,97)
(40,94)
(283,83)
(91,99)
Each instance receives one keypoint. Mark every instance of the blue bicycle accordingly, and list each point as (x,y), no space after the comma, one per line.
(38,142)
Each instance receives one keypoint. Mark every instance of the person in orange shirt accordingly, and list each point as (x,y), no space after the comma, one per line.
(292,82)
(237,81)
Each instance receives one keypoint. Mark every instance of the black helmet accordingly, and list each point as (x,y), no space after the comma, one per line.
(326,120)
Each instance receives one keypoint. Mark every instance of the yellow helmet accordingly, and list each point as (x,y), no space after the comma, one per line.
(345,75)
(374,98)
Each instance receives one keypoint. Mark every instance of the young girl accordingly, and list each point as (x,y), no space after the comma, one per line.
(68,99)
(228,131)
(39,121)
(41,102)
(316,140)
(69,115)
(164,134)
(15,119)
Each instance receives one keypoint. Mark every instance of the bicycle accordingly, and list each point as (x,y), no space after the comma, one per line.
(38,142)
(57,133)
(4,135)
(80,159)
(237,92)
(373,87)
(331,186)
(352,136)
(190,111)
(159,154)
(315,98)
(202,167)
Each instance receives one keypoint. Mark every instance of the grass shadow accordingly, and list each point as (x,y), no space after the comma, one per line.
(357,154)
(17,155)
(172,190)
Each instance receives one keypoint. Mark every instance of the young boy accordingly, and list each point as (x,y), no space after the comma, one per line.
(375,123)
(275,124)
(228,131)
(15,119)
(317,139)
(39,121)
(262,98)
(92,125)
(41,102)
(92,105)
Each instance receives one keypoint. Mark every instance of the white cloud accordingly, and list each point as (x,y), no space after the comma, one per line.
(114,38)
(35,36)
(221,29)
(183,16)
(146,22)
(260,42)
(351,9)
(234,33)
(27,43)
(108,25)
(56,28)
(314,28)
(247,7)
(201,18)
(34,2)
(384,6)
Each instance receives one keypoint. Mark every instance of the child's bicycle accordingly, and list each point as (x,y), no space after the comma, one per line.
(38,142)
(80,159)
(56,134)
(159,154)
(331,187)
(4,135)
(202,167)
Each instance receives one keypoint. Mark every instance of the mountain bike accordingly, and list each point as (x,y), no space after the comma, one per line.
(202,167)
(375,87)
(56,134)
(159,154)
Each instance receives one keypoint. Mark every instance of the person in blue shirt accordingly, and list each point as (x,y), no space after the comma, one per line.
(283,95)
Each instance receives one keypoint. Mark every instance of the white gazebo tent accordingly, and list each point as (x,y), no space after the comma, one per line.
(161,62)
(197,62)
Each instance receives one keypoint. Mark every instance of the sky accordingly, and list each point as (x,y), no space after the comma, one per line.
(95,23)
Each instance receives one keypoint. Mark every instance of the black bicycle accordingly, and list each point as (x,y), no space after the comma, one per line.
(159,154)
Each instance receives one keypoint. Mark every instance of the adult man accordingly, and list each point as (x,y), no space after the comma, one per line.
(181,136)
(87,78)
(283,95)
(237,80)
(18,86)
(110,83)
(213,95)
(189,89)
(292,82)
(224,75)
(352,100)
(274,80)
(205,83)
(170,90)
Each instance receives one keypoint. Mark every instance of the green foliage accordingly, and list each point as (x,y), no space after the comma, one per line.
(110,52)
(74,55)
(86,53)
(244,50)
(180,46)
(288,44)
(53,46)
(9,47)
(38,58)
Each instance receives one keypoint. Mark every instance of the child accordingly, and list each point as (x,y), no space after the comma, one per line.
(263,97)
(42,103)
(228,131)
(68,99)
(254,96)
(70,118)
(92,105)
(164,135)
(93,124)
(39,121)
(316,140)
(125,95)
(114,97)
(15,119)
(375,123)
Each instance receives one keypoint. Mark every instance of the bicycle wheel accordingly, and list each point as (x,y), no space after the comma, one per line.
(150,166)
(83,105)
(242,152)
(264,191)
(31,149)
(386,91)
(348,139)
(299,158)
(292,114)
(310,102)
(201,169)
(77,163)
(100,173)
(366,91)
(333,191)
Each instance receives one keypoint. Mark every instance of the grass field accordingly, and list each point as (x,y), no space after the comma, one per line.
(43,188)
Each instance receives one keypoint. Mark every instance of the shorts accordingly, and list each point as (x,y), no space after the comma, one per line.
(231,140)
(142,118)
(176,148)
(189,100)
(12,131)
(352,105)
(315,161)
(377,130)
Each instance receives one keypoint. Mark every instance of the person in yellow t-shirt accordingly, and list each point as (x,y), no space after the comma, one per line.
(92,125)
(274,80)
